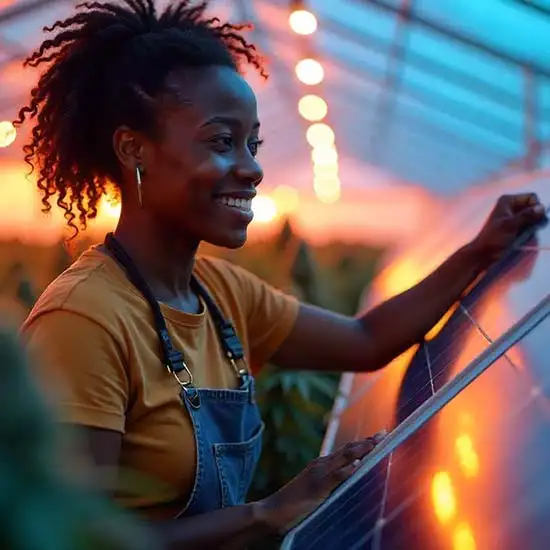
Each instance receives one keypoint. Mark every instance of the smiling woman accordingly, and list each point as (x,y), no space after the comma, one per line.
(150,345)
(156,106)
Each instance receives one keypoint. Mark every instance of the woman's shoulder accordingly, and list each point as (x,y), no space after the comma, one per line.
(88,287)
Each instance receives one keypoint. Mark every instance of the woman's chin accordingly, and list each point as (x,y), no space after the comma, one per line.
(231,239)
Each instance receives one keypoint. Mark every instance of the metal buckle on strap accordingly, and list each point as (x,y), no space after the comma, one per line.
(188,389)
(241,372)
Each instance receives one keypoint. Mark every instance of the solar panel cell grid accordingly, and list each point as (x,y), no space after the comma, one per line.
(458,477)
(359,509)
(406,388)
(460,464)
(468,465)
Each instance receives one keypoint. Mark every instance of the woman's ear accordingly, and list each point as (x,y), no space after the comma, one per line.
(128,146)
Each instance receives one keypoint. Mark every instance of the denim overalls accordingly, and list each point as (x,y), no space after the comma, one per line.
(227,424)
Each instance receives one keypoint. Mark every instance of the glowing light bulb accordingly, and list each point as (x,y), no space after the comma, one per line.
(8,133)
(303,22)
(324,156)
(313,108)
(310,72)
(320,135)
(325,170)
(327,188)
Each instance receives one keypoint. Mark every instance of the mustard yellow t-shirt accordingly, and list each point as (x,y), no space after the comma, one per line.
(93,336)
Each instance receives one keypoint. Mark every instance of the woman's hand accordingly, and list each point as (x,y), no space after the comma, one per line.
(510,216)
(309,489)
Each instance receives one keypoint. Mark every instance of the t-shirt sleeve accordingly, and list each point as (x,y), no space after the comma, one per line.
(81,366)
(271,315)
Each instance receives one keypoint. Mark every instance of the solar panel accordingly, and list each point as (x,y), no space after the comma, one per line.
(461,472)
(454,459)
(433,364)
(510,289)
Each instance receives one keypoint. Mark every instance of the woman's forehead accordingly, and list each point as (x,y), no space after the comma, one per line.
(213,92)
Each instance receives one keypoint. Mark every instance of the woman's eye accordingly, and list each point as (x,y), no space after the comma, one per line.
(223,143)
(254,146)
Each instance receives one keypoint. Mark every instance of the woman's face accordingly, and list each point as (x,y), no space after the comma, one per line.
(200,175)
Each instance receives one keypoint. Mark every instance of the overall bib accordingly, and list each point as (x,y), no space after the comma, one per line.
(227,424)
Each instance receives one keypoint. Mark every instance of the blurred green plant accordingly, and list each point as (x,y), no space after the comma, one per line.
(40,508)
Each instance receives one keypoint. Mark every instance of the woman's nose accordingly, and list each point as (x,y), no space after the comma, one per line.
(249,171)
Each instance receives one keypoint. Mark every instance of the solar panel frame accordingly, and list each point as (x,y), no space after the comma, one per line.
(429,408)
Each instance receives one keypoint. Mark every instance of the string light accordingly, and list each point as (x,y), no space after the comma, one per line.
(8,133)
(323,156)
(303,22)
(310,72)
(325,170)
(313,108)
(320,135)
(327,187)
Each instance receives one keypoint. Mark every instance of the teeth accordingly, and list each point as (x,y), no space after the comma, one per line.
(242,204)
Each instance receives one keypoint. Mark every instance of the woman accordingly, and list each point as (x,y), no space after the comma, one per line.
(139,325)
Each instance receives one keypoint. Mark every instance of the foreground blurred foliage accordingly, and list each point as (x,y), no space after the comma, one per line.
(40,508)
(294,405)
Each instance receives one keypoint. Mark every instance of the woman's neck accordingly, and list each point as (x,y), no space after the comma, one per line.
(166,262)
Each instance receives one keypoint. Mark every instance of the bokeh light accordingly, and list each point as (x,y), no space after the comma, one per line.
(310,72)
(8,133)
(463,538)
(327,188)
(303,22)
(322,156)
(325,170)
(286,199)
(443,497)
(110,208)
(320,135)
(264,208)
(467,455)
(313,108)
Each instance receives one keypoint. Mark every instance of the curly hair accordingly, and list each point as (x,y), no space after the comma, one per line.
(106,65)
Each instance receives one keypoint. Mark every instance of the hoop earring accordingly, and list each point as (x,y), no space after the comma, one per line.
(139,185)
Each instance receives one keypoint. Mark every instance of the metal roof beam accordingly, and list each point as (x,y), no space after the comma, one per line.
(531,5)
(448,32)
(454,75)
(435,101)
(531,121)
(392,79)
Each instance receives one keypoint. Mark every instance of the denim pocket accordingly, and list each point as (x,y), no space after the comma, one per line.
(236,464)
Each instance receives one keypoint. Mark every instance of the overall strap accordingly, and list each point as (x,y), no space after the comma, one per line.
(173,359)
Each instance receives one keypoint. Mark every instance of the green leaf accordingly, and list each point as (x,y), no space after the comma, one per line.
(324,385)
(303,385)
